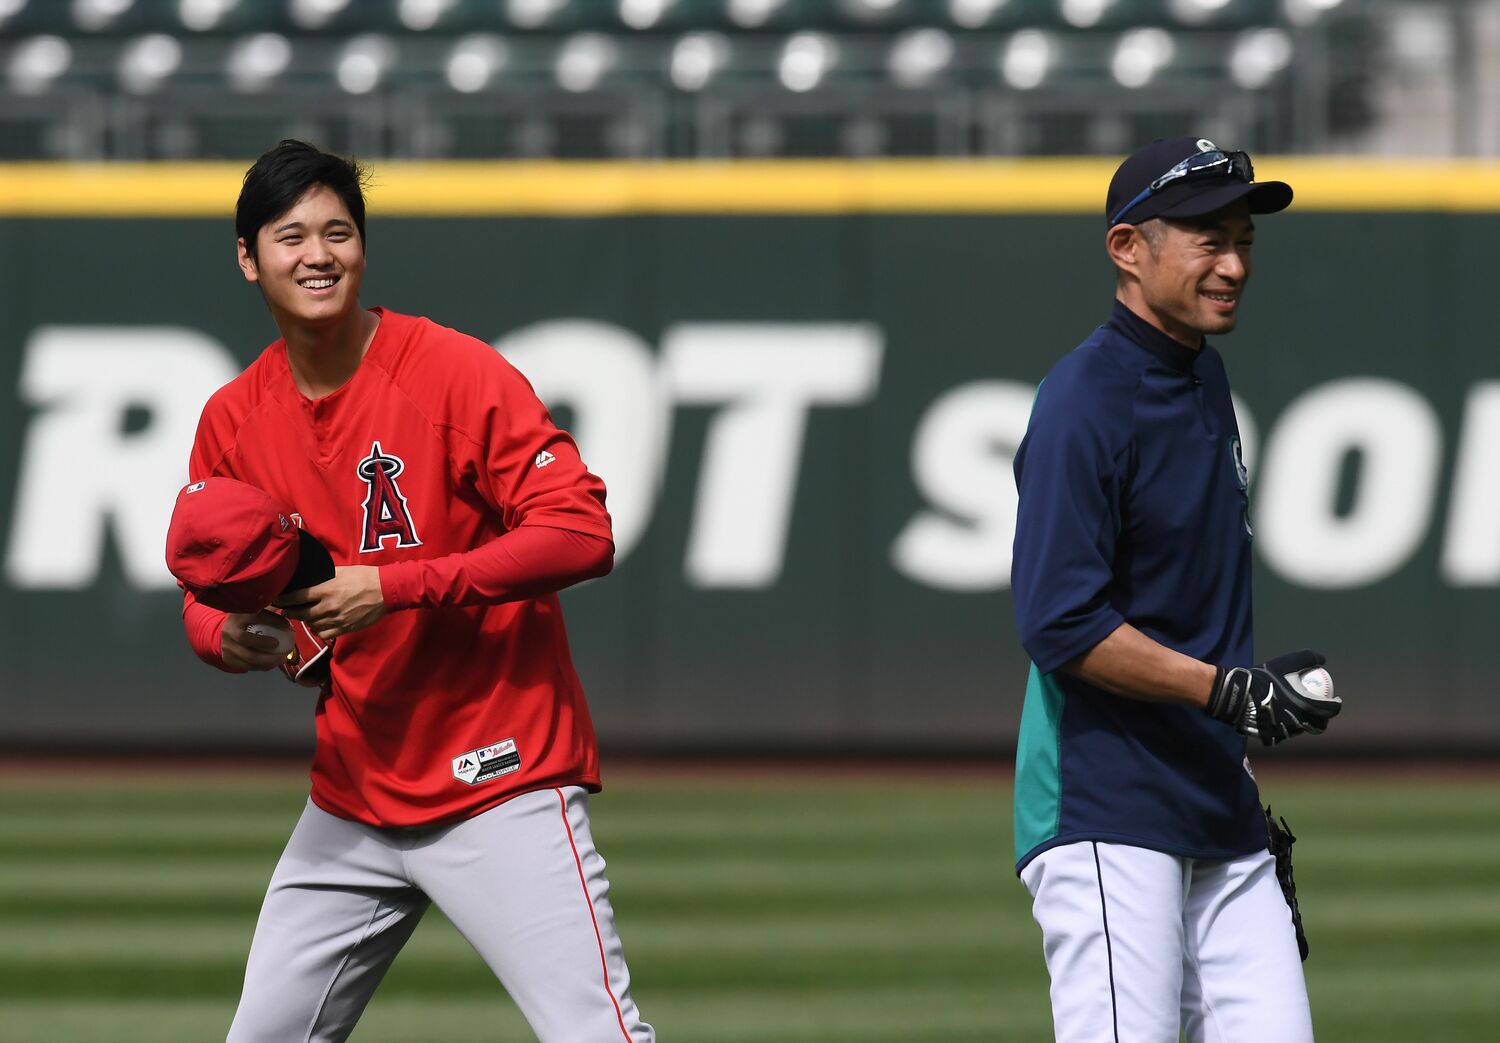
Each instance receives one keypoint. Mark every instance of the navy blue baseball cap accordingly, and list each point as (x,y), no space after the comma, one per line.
(1187,177)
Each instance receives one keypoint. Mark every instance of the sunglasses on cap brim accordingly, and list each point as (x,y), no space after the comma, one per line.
(1214,163)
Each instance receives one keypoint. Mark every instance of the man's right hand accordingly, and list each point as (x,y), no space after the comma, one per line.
(1267,702)
(242,650)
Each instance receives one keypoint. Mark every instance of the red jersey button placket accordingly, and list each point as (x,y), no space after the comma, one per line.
(317,413)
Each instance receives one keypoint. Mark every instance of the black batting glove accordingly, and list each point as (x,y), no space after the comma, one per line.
(1267,701)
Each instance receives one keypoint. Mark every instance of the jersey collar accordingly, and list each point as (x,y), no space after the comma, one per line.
(281,374)
(1136,329)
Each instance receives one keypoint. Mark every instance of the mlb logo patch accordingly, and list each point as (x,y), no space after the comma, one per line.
(487,762)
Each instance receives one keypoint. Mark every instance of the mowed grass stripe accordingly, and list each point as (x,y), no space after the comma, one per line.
(1371,808)
(131,832)
(45,878)
(1367,1000)
(122,1020)
(152,941)
(1442,849)
(1406,903)
(190,798)
(104,908)
(1373,875)
(911,1014)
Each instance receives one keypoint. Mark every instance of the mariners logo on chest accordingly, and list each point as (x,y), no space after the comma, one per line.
(1242,476)
(387,516)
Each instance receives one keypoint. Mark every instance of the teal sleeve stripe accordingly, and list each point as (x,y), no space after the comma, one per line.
(1038,779)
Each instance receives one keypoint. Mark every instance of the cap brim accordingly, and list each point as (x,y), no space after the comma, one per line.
(1263,197)
(233,597)
(314,563)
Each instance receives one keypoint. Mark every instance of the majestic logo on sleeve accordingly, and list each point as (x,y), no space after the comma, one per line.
(386,513)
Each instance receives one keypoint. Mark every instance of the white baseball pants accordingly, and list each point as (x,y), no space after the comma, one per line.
(1142,946)
(521,882)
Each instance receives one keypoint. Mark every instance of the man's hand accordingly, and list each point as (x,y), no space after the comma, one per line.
(1266,701)
(242,650)
(350,601)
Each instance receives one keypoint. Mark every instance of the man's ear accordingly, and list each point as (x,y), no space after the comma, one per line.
(247,263)
(1124,244)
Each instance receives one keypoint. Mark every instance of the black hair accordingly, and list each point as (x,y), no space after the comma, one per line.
(276,180)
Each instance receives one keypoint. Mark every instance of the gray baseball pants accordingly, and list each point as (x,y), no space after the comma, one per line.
(522,883)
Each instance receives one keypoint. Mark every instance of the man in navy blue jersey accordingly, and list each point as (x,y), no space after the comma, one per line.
(1139,831)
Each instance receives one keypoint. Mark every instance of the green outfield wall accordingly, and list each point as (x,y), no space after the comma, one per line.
(805,401)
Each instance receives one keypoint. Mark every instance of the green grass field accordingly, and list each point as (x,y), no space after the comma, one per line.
(760,908)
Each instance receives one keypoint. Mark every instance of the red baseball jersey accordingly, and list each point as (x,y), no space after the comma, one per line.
(434,448)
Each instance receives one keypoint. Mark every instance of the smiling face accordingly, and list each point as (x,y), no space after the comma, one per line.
(1189,275)
(309,262)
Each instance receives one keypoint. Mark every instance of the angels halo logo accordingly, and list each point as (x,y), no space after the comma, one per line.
(387,516)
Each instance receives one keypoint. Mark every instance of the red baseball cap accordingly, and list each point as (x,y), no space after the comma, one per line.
(236,549)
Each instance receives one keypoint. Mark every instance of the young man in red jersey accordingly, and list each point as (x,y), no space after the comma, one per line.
(454,753)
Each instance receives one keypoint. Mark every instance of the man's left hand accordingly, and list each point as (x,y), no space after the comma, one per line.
(1266,701)
(351,601)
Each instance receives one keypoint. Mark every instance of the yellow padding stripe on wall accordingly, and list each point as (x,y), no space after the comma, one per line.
(1020,186)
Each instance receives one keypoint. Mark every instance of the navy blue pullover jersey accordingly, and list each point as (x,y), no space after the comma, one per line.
(1133,509)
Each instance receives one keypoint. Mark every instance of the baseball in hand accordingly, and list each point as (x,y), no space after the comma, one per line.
(1318,682)
(282,632)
